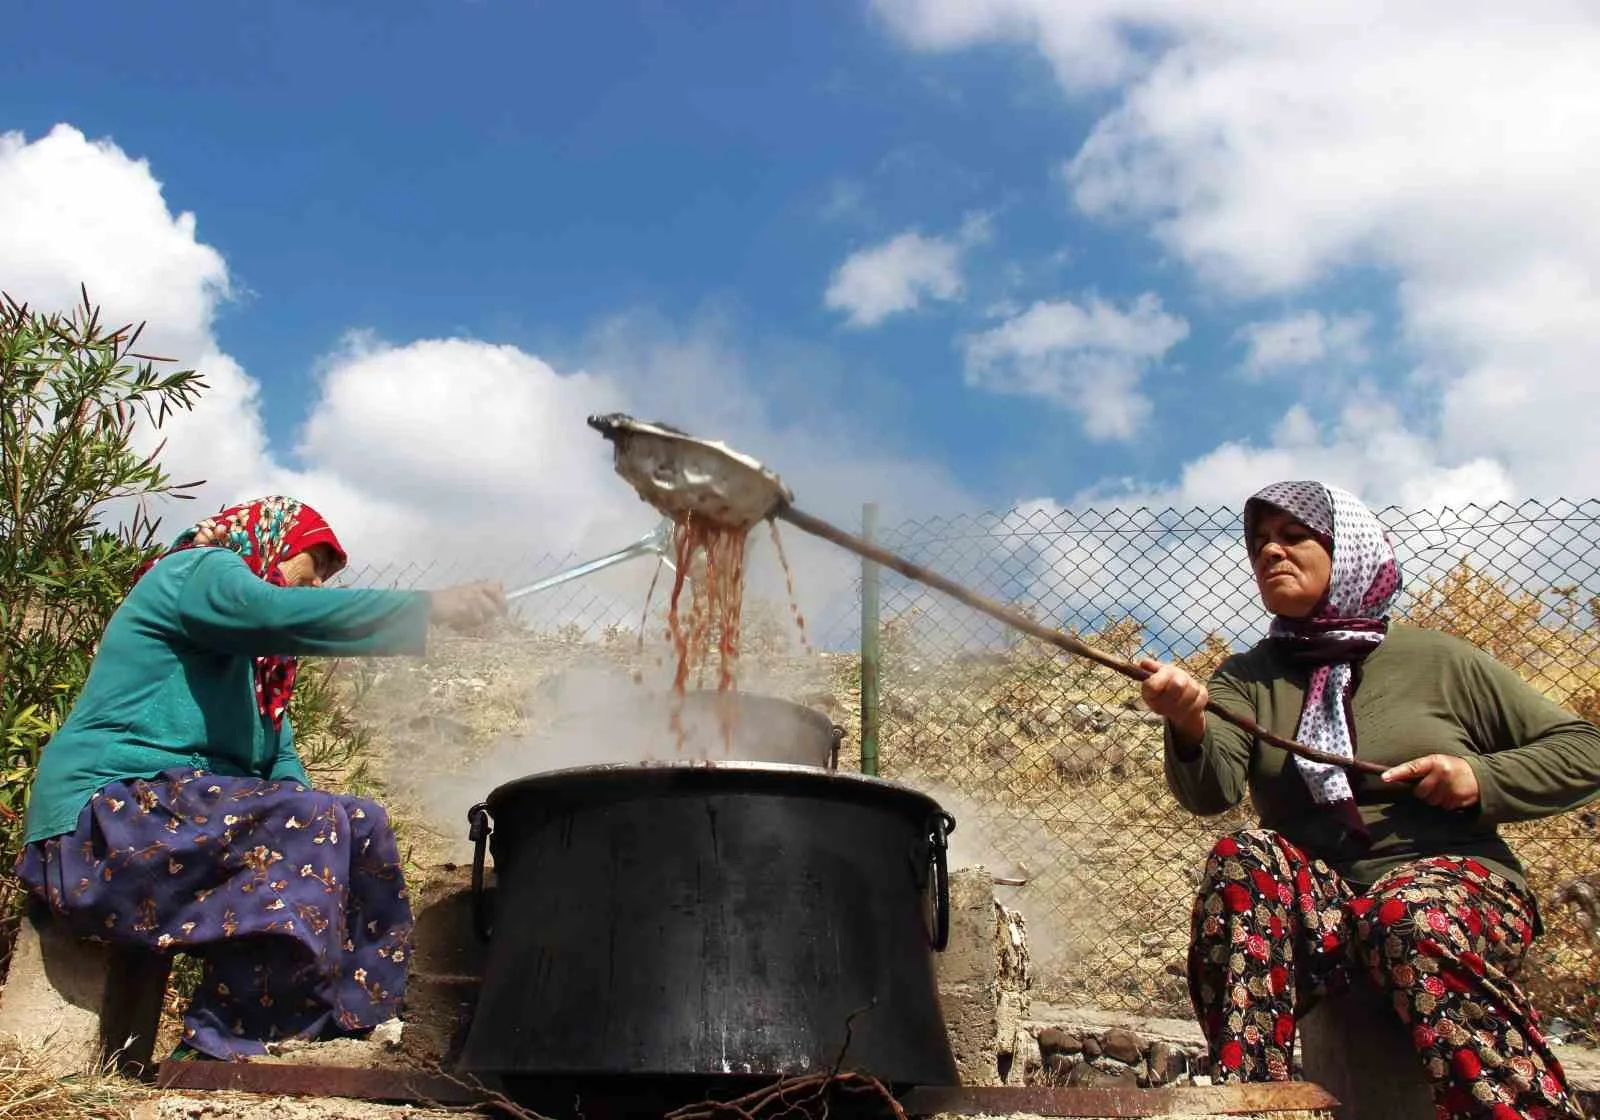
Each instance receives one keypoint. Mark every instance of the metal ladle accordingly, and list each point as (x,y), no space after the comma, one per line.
(657,542)
(683,476)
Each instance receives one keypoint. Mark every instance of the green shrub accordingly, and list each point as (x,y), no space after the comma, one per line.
(74,533)
(73,528)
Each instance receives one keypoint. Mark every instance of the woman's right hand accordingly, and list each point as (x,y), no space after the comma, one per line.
(467,606)
(1177,697)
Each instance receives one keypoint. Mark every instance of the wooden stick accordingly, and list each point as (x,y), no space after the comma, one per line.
(1048,634)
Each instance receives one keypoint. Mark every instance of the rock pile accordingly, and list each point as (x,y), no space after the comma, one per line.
(1115,1058)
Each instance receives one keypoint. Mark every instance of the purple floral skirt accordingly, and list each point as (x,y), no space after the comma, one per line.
(292,899)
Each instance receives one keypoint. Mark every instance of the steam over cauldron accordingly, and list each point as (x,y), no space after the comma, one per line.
(634,728)
(700,924)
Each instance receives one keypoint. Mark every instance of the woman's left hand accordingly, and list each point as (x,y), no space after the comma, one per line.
(1441,779)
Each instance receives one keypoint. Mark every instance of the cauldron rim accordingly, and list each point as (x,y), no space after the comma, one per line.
(696,775)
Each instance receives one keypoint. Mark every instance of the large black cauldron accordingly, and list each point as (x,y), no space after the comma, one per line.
(697,920)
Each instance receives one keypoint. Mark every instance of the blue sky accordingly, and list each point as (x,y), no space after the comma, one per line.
(936,253)
(515,172)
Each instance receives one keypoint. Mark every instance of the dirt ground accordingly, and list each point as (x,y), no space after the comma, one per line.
(246,1106)
(242,1107)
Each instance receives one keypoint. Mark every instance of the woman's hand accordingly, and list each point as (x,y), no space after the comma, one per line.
(1177,697)
(467,606)
(1442,779)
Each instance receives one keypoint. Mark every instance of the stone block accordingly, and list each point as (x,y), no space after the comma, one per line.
(969,958)
(1022,1065)
(969,1021)
(81,1006)
(1122,1045)
(983,977)
(1354,1045)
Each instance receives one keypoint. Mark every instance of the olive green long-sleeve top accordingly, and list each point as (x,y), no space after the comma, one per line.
(1421,692)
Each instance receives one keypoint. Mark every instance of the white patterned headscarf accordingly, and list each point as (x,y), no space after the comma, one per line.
(1349,623)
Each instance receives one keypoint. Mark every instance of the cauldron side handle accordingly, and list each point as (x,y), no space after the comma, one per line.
(942,825)
(837,737)
(478,833)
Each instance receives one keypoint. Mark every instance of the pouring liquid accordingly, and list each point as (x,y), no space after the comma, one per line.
(788,579)
(716,600)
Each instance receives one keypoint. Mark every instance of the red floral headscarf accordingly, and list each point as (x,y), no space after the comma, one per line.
(265,533)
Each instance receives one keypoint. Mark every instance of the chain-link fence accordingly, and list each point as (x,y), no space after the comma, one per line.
(1050,764)
(1053,767)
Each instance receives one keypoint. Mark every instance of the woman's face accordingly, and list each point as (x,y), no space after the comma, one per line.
(309,568)
(1291,565)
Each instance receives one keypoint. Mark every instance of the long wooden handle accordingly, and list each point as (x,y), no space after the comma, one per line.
(864,548)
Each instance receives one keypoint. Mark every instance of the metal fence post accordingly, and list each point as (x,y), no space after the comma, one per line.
(869,648)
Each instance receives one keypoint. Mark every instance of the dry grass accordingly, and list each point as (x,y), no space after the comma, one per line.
(27,1094)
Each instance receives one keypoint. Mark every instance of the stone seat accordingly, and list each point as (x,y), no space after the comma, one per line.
(78,1005)
(1354,1045)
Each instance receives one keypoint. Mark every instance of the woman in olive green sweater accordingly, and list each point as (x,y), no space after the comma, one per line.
(1402,875)
(171,811)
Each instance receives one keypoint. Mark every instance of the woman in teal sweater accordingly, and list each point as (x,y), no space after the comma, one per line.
(1404,875)
(171,810)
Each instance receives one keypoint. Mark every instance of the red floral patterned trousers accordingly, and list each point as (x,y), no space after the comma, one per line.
(1274,929)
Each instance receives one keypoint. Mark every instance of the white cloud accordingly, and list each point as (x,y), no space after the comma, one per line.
(1273,147)
(81,212)
(445,459)
(1164,555)
(846,200)
(1183,574)
(1364,448)
(77,209)
(1173,556)
(461,430)
(1086,358)
(1085,46)
(898,275)
(1306,338)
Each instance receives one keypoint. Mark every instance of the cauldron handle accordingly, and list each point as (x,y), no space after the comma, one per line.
(837,735)
(939,830)
(478,833)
